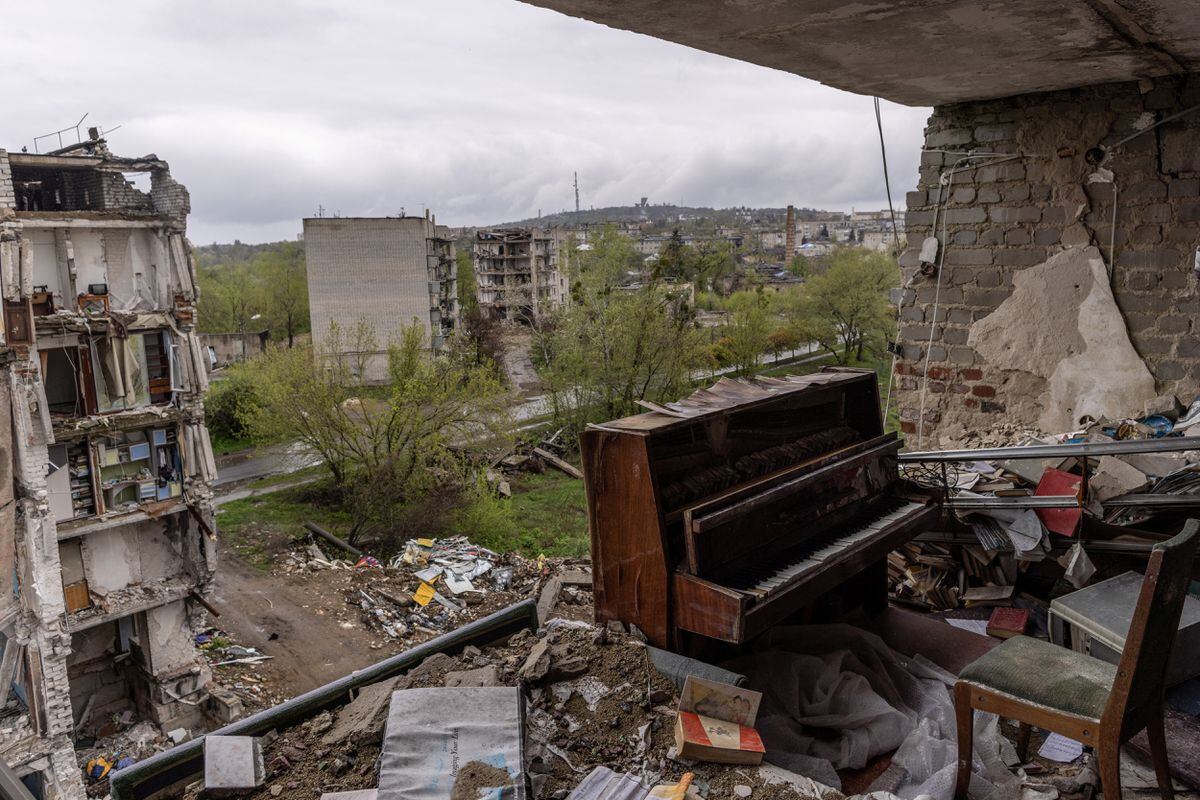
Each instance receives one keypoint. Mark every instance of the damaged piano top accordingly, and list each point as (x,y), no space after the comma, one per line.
(729,393)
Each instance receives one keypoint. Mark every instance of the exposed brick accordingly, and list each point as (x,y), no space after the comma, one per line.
(964,237)
(1175,280)
(964,216)
(1001,172)
(974,257)
(989,298)
(1014,213)
(937,387)
(915,200)
(1183,187)
(1054,215)
(1152,189)
(1046,236)
(938,374)
(962,355)
(995,133)
(964,194)
(948,137)
(1189,212)
(983,391)
(908,427)
(1158,212)
(1039,192)
(1016,257)
(932,158)
(1178,324)
(989,279)
(960,316)
(1017,236)
(969,402)
(1016,192)
(1146,234)
(937,353)
(987,194)
(971,374)
(1169,371)
(1149,259)
(1142,281)
(918,218)
(954,335)
(1189,347)
(992,236)
(989,407)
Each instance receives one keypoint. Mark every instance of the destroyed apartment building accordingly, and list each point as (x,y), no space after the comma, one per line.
(107,537)
(518,273)
(386,272)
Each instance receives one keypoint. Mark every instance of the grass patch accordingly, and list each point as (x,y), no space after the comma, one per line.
(259,528)
(547,514)
(224,445)
(288,477)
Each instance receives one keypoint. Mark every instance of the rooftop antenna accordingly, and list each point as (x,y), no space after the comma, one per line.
(320,211)
(577,192)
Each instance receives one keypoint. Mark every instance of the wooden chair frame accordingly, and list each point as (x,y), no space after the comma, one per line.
(1132,705)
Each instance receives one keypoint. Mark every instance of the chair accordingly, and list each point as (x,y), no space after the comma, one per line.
(1060,690)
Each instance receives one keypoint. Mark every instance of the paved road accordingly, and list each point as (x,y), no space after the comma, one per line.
(276,459)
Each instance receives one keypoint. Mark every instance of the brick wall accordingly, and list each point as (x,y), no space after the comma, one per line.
(119,194)
(8,195)
(1002,216)
(169,196)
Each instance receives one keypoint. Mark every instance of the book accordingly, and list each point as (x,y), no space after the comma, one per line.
(719,741)
(1064,521)
(988,596)
(715,722)
(1008,622)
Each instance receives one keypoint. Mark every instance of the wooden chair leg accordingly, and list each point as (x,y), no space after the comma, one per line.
(1108,753)
(965,715)
(1023,731)
(1156,734)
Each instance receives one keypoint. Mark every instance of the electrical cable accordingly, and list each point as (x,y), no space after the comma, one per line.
(887,184)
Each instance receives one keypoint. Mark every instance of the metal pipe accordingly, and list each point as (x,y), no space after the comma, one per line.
(183,763)
(1154,501)
(1168,444)
(329,537)
(1044,501)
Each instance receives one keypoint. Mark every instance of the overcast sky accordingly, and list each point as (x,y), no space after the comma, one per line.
(479,109)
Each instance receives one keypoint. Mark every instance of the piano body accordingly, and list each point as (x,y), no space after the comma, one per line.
(728,512)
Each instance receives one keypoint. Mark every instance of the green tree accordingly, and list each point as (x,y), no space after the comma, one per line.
(674,258)
(285,294)
(845,309)
(799,267)
(614,346)
(467,299)
(744,336)
(383,447)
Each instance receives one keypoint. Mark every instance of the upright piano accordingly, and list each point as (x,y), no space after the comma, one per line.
(732,510)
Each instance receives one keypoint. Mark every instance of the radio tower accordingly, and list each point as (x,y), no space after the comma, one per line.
(576,191)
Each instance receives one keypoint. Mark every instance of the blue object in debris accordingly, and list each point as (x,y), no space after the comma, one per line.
(1161,425)
(125,762)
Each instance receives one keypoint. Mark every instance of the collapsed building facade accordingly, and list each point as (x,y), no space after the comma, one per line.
(517,272)
(386,271)
(107,538)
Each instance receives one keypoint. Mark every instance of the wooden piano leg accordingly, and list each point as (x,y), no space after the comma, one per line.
(875,588)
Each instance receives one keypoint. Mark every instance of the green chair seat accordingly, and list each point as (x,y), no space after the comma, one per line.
(1045,674)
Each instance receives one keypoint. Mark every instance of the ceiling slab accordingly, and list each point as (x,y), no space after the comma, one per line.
(926,52)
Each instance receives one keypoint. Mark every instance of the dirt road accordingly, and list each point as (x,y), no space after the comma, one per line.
(318,640)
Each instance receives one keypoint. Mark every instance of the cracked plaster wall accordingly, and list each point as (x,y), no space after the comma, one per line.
(1004,216)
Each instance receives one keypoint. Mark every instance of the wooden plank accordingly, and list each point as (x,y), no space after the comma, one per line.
(705,608)
(629,550)
(8,668)
(558,462)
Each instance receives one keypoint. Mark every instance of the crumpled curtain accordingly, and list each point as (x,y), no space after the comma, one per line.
(836,696)
(120,369)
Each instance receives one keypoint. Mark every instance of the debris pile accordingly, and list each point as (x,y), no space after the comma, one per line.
(117,743)
(592,698)
(1000,535)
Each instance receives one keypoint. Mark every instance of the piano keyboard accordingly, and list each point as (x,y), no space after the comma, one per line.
(753,579)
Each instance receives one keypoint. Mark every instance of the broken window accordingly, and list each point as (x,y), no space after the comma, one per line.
(66,374)
(75,585)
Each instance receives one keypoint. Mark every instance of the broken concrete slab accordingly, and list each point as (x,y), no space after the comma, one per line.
(362,720)
(537,663)
(484,676)
(1113,477)
(357,794)
(233,763)
(1062,324)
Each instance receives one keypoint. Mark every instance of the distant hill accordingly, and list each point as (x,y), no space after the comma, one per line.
(662,214)
(210,255)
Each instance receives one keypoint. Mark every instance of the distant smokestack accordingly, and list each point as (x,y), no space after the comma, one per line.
(790,233)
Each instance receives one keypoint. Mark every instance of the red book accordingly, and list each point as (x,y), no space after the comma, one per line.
(1008,622)
(708,739)
(1064,521)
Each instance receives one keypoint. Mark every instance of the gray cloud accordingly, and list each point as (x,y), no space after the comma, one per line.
(478,109)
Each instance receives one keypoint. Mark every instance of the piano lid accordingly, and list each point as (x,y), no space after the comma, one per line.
(728,393)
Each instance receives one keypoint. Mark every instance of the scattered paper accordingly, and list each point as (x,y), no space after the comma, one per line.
(1059,748)
(973,625)
(1079,567)
(424,594)
(429,574)
(456,584)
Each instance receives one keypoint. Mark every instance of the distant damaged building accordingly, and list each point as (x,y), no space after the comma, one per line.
(517,273)
(388,271)
(106,520)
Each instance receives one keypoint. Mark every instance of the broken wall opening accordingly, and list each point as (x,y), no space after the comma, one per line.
(98,671)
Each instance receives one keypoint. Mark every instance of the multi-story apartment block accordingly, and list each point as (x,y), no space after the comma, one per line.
(389,271)
(517,273)
(107,540)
